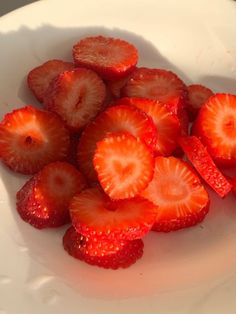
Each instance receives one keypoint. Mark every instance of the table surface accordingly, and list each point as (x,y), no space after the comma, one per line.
(7,6)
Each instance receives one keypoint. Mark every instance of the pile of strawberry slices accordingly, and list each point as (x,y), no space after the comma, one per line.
(106,152)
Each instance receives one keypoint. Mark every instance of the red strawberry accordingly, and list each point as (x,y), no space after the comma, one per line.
(124,165)
(109,57)
(216,127)
(116,86)
(96,216)
(31,138)
(203,163)
(124,256)
(40,77)
(177,191)
(197,96)
(43,201)
(167,123)
(158,84)
(77,96)
(114,119)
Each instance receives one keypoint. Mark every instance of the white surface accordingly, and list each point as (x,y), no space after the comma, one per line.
(191,271)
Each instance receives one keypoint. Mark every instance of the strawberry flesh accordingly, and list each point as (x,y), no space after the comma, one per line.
(96,216)
(179,194)
(167,123)
(31,138)
(124,165)
(197,96)
(158,84)
(40,77)
(111,58)
(43,200)
(77,96)
(216,127)
(114,119)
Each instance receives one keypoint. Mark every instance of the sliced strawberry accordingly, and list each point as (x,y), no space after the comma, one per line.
(158,84)
(96,216)
(116,86)
(197,96)
(43,201)
(114,119)
(40,77)
(109,57)
(177,191)
(203,163)
(77,96)
(124,165)
(123,256)
(167,123)
(216,127)
(31,138)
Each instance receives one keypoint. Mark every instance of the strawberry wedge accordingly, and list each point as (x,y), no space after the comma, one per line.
(203,163)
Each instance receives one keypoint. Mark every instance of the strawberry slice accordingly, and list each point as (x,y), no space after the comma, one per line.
(158,84)
(203,163)
(124,256)
(167,124)
(40,77)
(31,138)
(124,165)
(116,86)
(96,216)
(197,96)
(111,58)
(77,96)
(177,191)
(114,119)
(43,201)
(216,127)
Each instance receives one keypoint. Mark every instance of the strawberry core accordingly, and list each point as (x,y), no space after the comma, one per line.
(229,126)
(124,171)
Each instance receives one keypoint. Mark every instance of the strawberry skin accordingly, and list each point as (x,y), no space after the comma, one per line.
(43,200)
(40,77)
(179,194)
(197,96)
(124,256)
(203,163)
(114,119)
(216,127)
(31,138)
(76,96)
(111,58)
(167,123)
(96,216)
(124,165)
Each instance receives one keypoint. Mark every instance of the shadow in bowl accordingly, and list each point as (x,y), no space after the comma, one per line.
(171,261)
